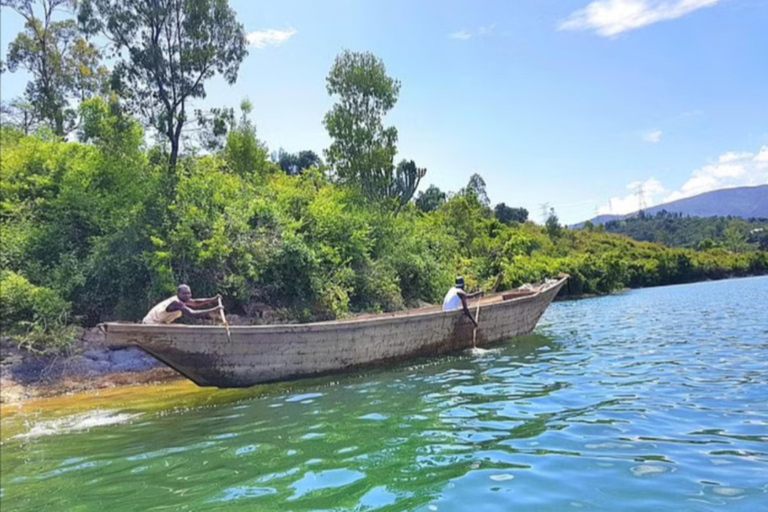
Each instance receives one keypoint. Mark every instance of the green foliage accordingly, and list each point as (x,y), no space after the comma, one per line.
(294,163)
(430,199)
(244,153)
(703,233)
(101,229)
(20,115)
(476,187)
(62,64)
(405,182)
(554,230)
(759,237)
(96,226)
(34,316)
(362,149)
(508,215)
(73,211)
(166,51)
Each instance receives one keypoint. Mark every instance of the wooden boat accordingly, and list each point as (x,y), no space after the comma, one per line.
(264,353)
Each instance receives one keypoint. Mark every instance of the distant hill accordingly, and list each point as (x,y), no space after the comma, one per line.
(744,202)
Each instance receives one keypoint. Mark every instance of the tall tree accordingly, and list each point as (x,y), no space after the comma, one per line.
(244,152)
(165,51)
(476,187)
(430,199)
(308,158)
(294,163)
(552,225)
(507,214)
(19,114)
(63,66)
(363,150)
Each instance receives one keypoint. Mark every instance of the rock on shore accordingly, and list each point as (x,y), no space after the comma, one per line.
(89,364)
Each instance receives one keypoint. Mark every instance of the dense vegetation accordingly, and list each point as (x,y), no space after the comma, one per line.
(103,226)
(676,230)
(101,229)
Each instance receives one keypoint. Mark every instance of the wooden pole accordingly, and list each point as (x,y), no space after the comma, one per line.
(224,321)
(477,318)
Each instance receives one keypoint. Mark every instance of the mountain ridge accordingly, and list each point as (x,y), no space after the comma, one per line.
(744,202)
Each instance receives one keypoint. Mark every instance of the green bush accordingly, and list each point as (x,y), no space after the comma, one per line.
(34,316)
(105,229)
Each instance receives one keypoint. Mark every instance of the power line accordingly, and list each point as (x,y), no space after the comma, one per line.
(640,193)
(641,199)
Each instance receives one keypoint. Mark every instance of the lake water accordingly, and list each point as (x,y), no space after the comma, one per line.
(653,399)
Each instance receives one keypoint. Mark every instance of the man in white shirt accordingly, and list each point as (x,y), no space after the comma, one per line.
(457,298)
(179,305)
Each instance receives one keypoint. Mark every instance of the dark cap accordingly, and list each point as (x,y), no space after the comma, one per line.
(459,282)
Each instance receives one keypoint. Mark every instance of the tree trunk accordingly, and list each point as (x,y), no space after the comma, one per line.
(59,123)
(174,151)
(175,134)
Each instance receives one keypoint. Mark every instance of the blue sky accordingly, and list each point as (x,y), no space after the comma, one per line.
(571,103)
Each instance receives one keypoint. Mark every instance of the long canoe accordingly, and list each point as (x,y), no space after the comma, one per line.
(263,353)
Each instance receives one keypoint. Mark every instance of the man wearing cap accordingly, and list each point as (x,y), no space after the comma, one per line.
(179,305)
(457,298)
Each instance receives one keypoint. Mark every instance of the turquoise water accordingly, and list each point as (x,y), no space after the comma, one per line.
(654,399)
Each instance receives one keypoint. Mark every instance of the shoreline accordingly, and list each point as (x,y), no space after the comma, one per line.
(90,364)
(14,392)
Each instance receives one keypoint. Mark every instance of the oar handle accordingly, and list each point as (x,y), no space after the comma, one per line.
(477,318)
(224,320)
(221,311)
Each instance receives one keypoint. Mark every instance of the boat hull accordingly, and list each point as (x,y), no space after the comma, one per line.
(256,354)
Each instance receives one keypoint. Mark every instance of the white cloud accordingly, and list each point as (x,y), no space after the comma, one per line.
(610,18)
(650,189)
(731,169)
(732,156)
(269,37)
(653,136)
(761,159)
(486,29)
(464,34)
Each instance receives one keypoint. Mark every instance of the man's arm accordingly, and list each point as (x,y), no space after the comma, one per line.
(203,302)
(186,311)
(465,307)
(476,294)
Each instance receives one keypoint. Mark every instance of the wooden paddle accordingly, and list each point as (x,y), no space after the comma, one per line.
(224,321)
(477,317)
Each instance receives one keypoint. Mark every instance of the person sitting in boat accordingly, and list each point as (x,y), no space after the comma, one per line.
(174,307)
(457,298)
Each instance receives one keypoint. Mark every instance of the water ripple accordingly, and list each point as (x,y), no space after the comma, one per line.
(649,400)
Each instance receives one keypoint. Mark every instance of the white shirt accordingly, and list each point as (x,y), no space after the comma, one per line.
(159,315)
(452,300)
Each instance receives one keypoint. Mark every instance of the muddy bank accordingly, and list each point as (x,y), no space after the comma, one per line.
(89,364)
